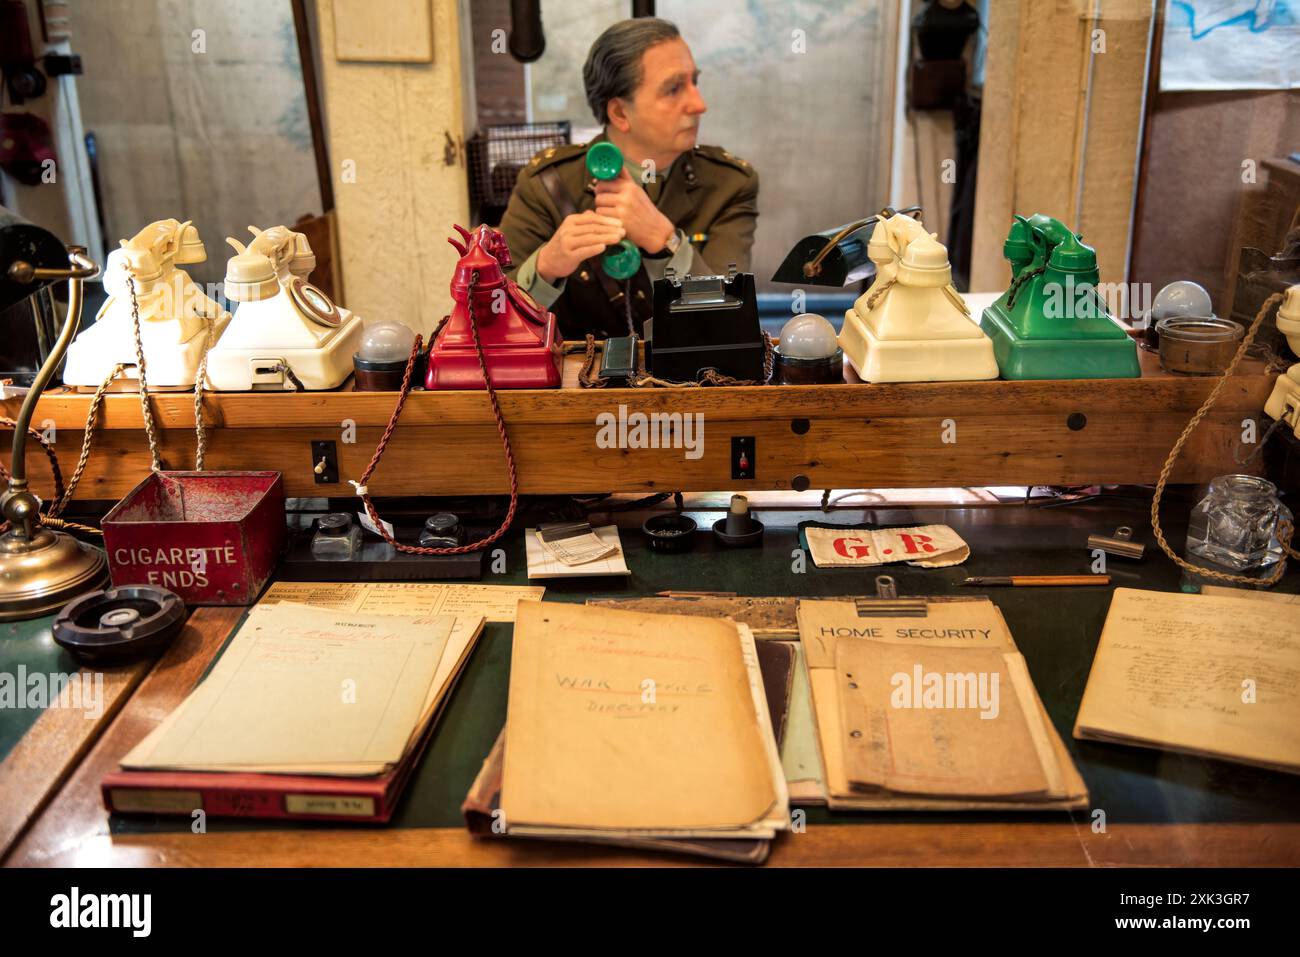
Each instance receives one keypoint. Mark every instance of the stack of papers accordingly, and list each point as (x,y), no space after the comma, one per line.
(630,728)
(302,690)
(313,712)
(554,560)
(929,713)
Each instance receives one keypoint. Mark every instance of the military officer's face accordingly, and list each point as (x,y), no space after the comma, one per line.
(664,112)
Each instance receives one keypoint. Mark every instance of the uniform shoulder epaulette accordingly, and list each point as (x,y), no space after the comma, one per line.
(719,155)
(555,154)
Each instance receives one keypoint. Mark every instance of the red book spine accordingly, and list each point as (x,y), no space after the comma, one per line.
(297,797)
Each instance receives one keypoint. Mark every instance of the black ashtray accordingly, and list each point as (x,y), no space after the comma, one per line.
(119,624)
(670,533)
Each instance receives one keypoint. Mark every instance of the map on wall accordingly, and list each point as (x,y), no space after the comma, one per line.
(1231,45)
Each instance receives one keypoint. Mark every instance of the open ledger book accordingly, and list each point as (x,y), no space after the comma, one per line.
(930,713)
(1212,675)
(630,728)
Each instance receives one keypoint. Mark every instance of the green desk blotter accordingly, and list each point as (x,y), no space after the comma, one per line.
(27,648)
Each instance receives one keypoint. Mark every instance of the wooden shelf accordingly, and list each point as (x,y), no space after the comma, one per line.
(1007,433)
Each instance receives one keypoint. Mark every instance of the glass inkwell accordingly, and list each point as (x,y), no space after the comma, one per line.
(1235,527)
(336,538)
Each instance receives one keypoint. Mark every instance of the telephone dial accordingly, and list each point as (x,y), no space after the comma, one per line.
(286,334)
(174,313)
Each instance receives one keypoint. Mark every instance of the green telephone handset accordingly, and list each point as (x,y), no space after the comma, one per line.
(605,162)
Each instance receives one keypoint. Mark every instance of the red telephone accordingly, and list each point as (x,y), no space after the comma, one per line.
(521,342)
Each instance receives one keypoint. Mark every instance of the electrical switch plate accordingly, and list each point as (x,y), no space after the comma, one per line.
(742,456)
(325,461)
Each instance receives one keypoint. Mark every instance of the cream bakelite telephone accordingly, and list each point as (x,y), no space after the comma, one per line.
(178,321)
(1284,404)
(286,334)
(911,325)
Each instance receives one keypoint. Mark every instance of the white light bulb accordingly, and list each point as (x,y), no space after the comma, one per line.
(808,336)
(386,340)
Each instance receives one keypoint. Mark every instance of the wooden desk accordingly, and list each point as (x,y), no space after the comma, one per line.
(1162,809)
(48,752)
(74,829)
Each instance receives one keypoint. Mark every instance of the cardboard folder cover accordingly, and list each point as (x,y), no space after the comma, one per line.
(1030,769)
(619,721)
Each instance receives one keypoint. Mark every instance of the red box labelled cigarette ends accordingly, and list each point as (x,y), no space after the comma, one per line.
(213,538)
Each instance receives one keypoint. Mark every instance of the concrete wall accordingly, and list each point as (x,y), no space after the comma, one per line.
(395,197)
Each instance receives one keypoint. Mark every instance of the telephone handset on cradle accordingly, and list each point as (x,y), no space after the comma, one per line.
(286,333)
(1051,323)
(496,337)
(912,325)
(521,343)
(177,320)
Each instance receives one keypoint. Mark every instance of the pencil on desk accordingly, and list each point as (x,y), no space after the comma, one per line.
(1018,581)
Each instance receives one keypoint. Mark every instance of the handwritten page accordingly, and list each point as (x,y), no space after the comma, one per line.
(1205,674)
(492,602)
(542,564)
(934,720)
(308,686)
(621,720)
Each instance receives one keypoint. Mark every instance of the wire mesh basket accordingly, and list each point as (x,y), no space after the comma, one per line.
(498,153)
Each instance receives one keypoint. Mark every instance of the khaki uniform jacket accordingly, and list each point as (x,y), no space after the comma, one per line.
(709,194)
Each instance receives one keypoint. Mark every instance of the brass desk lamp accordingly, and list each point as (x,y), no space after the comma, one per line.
(42,569)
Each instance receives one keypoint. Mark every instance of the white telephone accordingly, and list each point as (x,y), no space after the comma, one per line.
(286,333)
(174,313)
(1284,403)
(912,325)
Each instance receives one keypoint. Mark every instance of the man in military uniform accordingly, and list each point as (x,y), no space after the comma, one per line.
(689,207)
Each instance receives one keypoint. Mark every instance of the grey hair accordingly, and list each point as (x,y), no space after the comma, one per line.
(613,67)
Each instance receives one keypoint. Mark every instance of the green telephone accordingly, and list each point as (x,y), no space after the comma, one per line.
(1051,323)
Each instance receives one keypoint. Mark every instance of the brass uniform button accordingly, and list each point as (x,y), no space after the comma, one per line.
(584,275)
(640,293)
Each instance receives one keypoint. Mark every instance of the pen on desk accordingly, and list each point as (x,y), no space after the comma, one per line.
(1018,581)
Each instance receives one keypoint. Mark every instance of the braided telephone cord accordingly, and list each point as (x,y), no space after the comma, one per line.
(392,424)
(150,429)
(1285,529)
(200,434)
